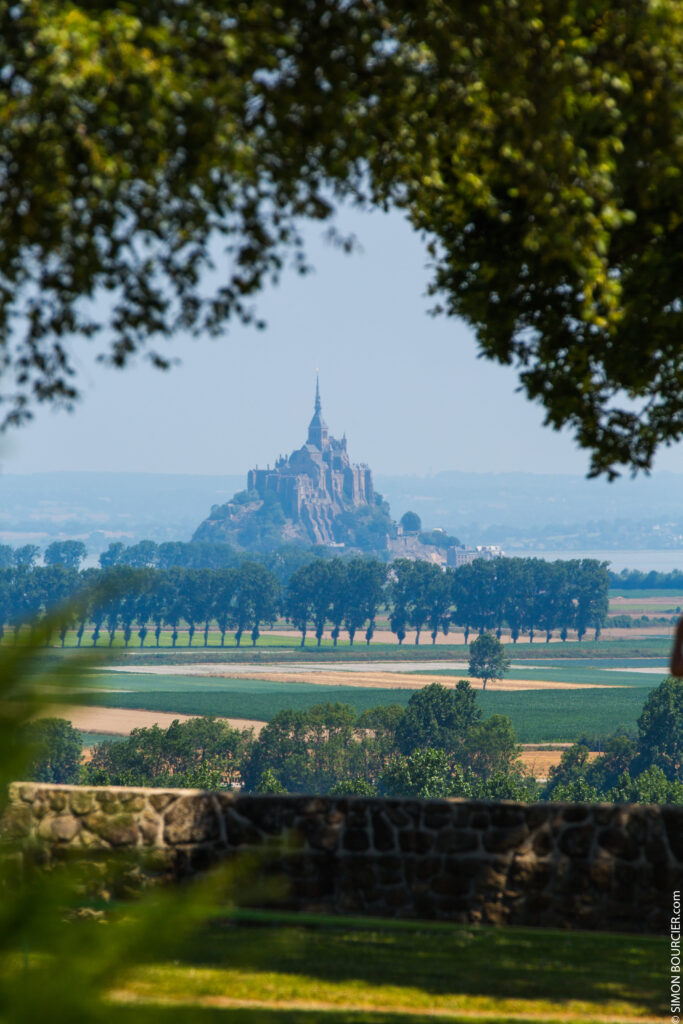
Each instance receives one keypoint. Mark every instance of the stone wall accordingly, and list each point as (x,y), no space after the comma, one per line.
(598,866)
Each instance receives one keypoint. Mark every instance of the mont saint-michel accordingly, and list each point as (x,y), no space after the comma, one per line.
(315,495)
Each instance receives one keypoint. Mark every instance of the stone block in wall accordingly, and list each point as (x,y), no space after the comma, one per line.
(192,819)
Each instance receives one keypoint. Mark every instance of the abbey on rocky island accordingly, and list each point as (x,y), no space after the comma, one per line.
(309,489)
(317,481)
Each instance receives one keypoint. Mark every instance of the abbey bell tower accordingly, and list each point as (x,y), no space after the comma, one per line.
(318,433)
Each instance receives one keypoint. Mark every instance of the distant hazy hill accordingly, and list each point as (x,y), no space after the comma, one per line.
(524,508)
(552,509)
(100,507)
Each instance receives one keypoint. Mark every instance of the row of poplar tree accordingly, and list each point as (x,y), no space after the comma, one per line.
(524,596)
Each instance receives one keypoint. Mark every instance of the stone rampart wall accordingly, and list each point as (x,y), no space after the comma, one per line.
(599,866)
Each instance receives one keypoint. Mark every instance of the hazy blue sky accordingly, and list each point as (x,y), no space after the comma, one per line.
(408,389)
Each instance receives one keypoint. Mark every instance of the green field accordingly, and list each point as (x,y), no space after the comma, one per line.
(588,651)
(301,968)
(538,716)
(579,674)
(664,593)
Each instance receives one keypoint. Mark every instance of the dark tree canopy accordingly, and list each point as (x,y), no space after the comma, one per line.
(411,522)
(661,729)
(56,748)
(537,145)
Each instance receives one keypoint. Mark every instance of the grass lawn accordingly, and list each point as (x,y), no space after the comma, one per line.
(333,969)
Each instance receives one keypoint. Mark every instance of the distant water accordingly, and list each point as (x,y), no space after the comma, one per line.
(644,561)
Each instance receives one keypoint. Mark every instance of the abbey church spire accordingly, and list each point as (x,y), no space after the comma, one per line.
(317,429)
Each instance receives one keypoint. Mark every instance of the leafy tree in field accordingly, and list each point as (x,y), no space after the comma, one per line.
(200,752)
(376,731)
(420,579)
(650,787)
(69,553)
(337,583)
(438,717)
(618,756)
(193,589)
(425,774)
(282,748)
(355,786)
(399,596)
(371,581)
(112,606)
(173,554)
(462,598)
(317,592)
(660,729)
(172,601)
(503,785)
(98,614)
(58,586)
(355,601)
(112,555)
(573,764)
(57,749)
(411,522)
(439,603)
(143,555)
(298,604)
(224,595)
(591,585)
(204,599)
(256,599)
(488,659)
(26,556)
(6,556)
(492,748)
(144,602)
(577,790)
(269,783)
(550,580)
(482,582)
(26,598)
(330,736)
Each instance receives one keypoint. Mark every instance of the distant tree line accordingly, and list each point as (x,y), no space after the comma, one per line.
(439,745)
(524,596)
(148,554)
(634,579)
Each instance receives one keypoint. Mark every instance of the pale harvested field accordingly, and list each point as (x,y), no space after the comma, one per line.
(539,762)
(398,681)
(356,677)
(122,721)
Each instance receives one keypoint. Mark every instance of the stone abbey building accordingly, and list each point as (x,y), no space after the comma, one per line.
(317,481)
(301,498)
